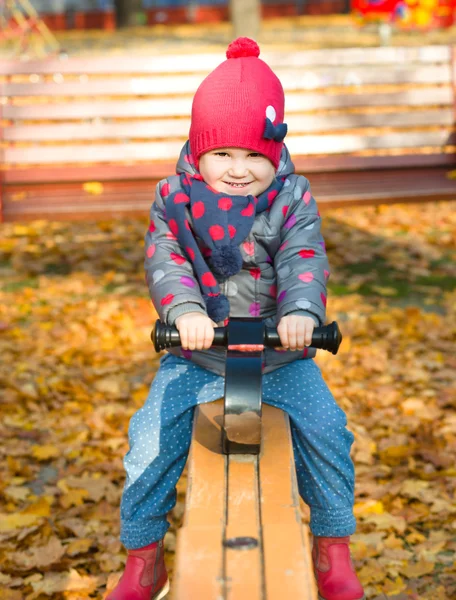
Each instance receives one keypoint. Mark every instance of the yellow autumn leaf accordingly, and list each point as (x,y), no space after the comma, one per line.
(93,187)
(80,546)
(422,567)
(45,452)
(368,507)
(74,497)
(16,521)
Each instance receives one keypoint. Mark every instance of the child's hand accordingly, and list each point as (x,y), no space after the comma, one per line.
(196,331)
(295,331)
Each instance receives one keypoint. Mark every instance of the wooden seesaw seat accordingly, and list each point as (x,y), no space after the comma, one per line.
(231,497)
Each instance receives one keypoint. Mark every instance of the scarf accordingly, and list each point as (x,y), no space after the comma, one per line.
(223,222)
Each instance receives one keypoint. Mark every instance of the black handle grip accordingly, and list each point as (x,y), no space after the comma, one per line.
(327,337)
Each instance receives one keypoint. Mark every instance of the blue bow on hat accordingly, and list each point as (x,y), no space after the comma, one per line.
(275,132)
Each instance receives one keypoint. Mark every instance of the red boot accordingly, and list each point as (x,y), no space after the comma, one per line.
(145,576)
(334,571)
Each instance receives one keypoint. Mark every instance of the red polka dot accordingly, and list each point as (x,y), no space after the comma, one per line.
(232,231)
(151,250)
(248,210)
(216,232)
(285,210)
(167,299)
(173,226)
(206,251)
(208,279)
(198,177)
(249,248)
(225,203)
(273,291)
(306,253)
(177,258)
(181,198)
(272,196)
(255,273)
(305,352)
(323,299)
(165,189)
(190,252)
(152,227)
(198,210)
(170,236)
(284,245)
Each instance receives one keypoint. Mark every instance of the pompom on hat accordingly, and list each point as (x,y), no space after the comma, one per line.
(239,105)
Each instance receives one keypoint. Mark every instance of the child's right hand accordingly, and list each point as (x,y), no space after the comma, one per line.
(196,331)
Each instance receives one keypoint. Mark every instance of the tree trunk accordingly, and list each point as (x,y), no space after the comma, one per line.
(125,12)
(246,17)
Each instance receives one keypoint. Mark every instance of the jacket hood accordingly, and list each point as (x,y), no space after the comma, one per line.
(286,166)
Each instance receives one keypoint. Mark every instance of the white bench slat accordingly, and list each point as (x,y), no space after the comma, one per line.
(179,128)
(159,63)
(292,80)
(298,145)
(173,107)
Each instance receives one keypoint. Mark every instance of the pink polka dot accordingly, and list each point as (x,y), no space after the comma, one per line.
(248,210)
(281,296)
(188,180)
(180,198)
(290,222)
(189,159)
(170,236)
(326,274)
(255,273)
(165,189)
(216,232)
(306,253)
(225,203)
(190,252)
(167,299)
(285,210)
(231,231)
(249,248)
(173,226)
(323,299)
(198,210)
(307,277)
(254,309)
(273,291)
(284,245)
(151,250)
(323,245)
(198,177)
(152,226)
(272,196)
(208,279)
(177,258)
(188,281)
(307,197)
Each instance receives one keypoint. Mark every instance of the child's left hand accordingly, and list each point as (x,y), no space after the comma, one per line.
(295,331)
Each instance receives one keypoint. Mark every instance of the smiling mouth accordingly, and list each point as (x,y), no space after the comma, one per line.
(237,185)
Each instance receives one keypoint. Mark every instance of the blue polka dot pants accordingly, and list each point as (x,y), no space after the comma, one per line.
(160,435)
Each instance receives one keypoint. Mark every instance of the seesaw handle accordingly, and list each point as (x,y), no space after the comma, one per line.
(327,337)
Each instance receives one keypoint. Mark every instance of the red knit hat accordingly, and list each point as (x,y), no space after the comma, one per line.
(239,105)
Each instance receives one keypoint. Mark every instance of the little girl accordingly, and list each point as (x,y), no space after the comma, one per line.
(237,234)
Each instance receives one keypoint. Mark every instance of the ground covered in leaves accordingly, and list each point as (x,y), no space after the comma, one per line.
(76,363)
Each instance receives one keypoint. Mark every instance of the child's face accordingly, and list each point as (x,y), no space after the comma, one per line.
(237,171)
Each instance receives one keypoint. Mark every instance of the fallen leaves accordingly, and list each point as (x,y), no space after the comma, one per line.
(77,362)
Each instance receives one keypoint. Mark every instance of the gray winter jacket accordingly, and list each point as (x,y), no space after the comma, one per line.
(284,270)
